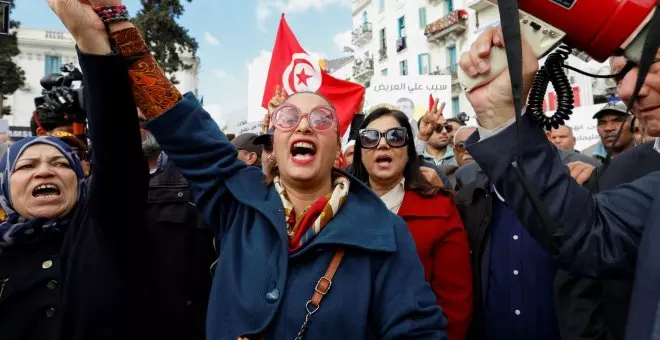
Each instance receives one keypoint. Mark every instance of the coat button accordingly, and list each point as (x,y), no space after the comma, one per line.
(47,264)
(273,295)
(52,284)
(50,312)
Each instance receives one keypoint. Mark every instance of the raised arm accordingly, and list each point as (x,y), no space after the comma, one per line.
(597,235)
(120,173)
(184,130)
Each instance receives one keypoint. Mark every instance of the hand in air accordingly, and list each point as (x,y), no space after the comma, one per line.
(86,27)
(430,120)
(493,102)
(278,99)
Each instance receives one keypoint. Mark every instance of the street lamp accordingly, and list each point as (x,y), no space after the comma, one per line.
(4,17)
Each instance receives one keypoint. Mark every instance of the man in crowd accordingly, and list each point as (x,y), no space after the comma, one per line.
(265,142)
(452,125)
(610,119)
(248,152)
(463,157)
(563,138)
(179,252)
(438,150)
(610,234)
(461,154)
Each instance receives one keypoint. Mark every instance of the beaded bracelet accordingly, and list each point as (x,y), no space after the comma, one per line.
(112,13)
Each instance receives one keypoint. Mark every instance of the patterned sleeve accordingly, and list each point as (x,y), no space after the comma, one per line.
(154,93)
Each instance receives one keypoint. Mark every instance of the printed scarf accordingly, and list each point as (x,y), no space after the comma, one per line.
(316,216)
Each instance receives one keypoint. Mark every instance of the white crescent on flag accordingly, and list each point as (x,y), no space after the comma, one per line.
(302,75)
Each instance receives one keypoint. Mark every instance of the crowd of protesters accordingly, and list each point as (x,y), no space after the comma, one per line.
(156,225)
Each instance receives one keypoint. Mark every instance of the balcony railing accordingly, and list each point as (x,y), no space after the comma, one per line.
(479,5)
(447,71)
(362,34)
(358,5)
(363,69)
(447,28)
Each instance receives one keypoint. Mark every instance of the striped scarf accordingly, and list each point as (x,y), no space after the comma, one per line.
(316,216)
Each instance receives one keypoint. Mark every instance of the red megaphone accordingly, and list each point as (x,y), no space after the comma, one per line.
(600,28)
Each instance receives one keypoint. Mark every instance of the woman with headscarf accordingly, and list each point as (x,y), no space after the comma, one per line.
(385,159)
(310,254)
(70,255)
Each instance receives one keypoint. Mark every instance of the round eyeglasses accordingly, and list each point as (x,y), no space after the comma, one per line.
(321,118)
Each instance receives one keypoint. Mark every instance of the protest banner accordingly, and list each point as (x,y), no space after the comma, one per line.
(584,126)
(244,126)
(410,94)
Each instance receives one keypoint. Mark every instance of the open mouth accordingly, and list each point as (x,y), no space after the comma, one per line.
(383,160)
(46,191)
(303,151)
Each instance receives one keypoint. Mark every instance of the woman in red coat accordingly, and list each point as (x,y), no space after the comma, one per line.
(385,158)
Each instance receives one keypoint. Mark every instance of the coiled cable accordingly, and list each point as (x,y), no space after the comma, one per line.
(552,72)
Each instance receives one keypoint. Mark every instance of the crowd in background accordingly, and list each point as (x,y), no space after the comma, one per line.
(157,225)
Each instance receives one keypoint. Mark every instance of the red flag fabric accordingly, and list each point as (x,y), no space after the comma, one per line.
(293,69)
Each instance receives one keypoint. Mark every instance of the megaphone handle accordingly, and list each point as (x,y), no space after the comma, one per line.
(542,37)
(498,64)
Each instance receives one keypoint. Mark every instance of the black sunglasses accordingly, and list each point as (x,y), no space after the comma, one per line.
(395,137)
(448,127)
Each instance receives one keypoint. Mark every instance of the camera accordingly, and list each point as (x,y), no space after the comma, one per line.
(59,96)
(4,17)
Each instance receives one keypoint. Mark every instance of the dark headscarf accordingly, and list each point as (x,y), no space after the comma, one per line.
(16,229)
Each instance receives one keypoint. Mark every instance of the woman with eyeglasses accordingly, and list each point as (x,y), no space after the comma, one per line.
(385,159)
(311,254)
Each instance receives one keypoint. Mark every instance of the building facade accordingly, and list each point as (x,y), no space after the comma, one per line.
(43,52)
(427,37)
(410,38)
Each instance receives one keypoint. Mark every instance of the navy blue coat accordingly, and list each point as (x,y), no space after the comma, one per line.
(379,291)
(613,233)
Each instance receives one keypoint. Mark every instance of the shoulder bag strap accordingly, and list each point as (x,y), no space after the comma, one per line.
(322,288)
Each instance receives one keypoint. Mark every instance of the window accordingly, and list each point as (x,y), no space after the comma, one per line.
(422,17)
(53,64)
(383,40)
(402,27)
(424,62)
(449,4)
(403,67)
(453,58)
(455,107)
(383,72)
(382,5)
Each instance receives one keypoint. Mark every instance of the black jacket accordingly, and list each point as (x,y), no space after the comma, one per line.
(598,309)
(85,283)
(475,205)
(180,255)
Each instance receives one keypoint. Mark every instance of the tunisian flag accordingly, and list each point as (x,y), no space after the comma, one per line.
(293,69)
